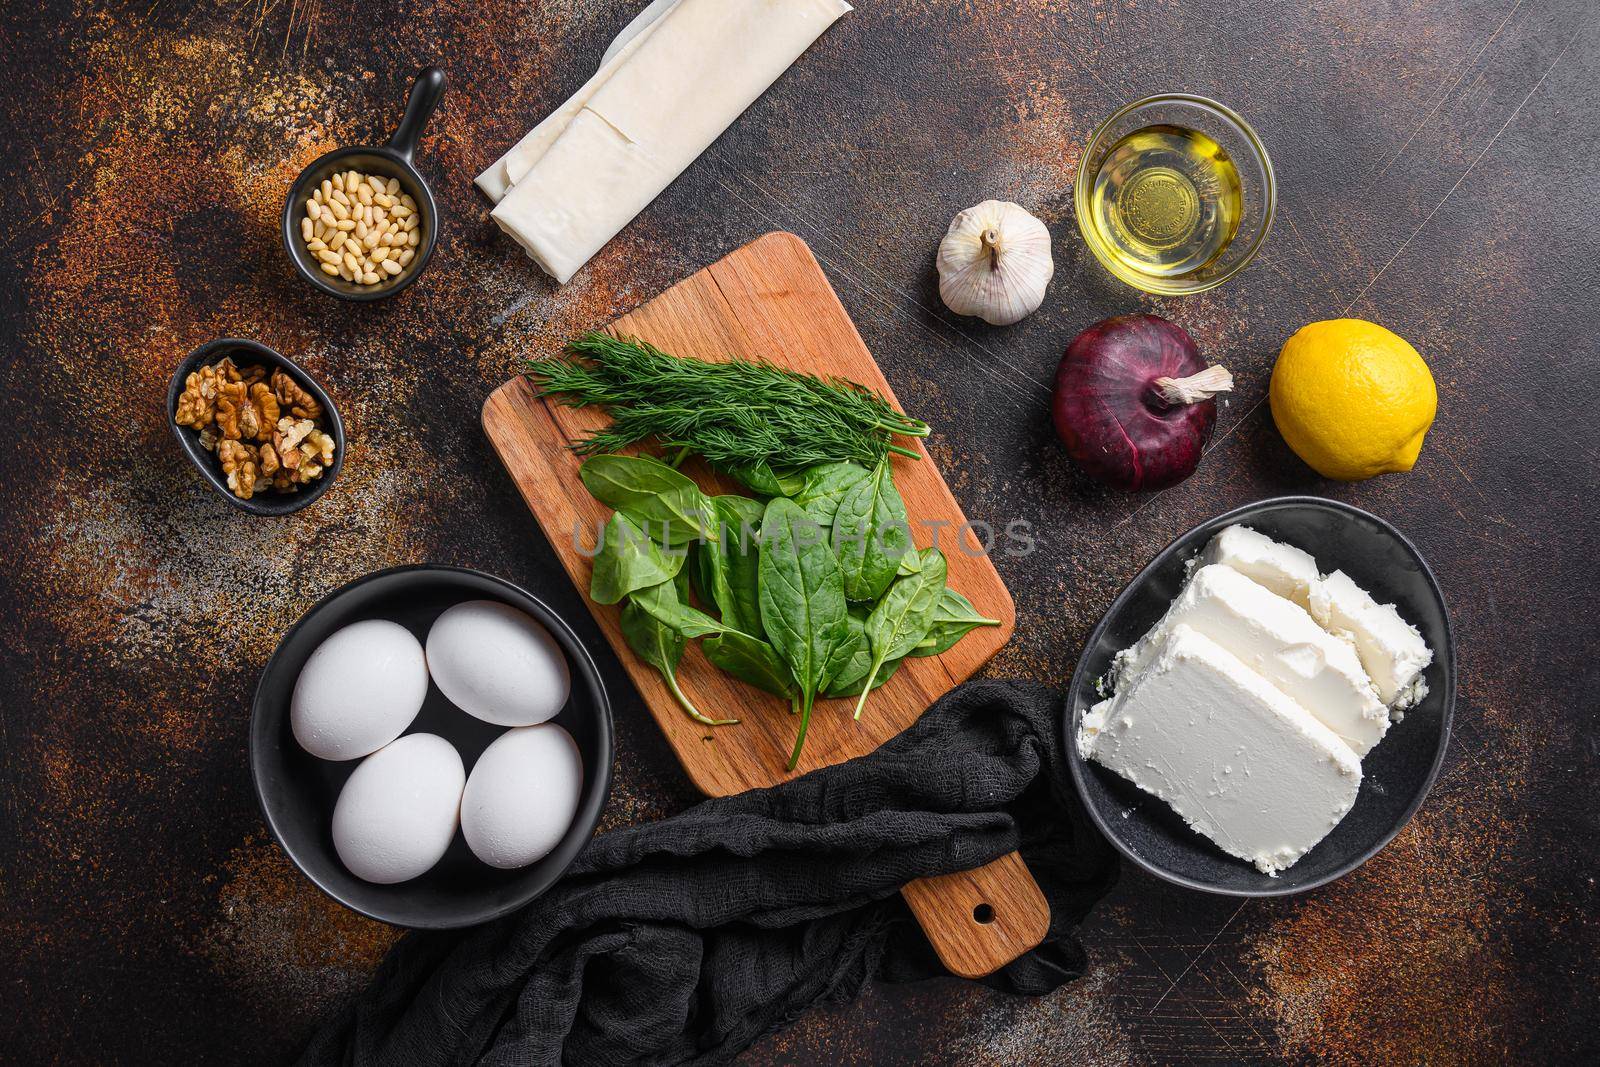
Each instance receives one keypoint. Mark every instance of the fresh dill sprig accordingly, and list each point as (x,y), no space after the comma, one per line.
(740,413)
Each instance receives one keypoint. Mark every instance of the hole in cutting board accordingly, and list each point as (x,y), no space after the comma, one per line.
(983,913)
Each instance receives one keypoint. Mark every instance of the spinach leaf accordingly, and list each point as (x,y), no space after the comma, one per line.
(751,661)
(726,565)
(802,601)
(662,648)
(621,482)
(663,603)
(855,661)
(761,478)
(910,563)
(953,619)
(871,534)
(902,618)
(825,486)
(628,560)
(667,505)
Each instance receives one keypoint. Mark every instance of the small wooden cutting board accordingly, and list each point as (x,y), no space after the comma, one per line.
(770,300)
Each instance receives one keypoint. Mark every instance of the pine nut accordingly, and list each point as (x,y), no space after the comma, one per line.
(327,189)
(383,200)
(315,245)
(329,268)
(308,230)
(361,229)
(370,241)
(408,202)
(339,238)
(329,256)
(413,238)
(344,272)
(364,193)
(405,257)
(378,255)
(391,268)
(393,187)
(400,211)
(338,182)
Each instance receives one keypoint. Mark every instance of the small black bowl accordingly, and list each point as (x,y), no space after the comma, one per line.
(1396,774)
(245,352)
(297,791)
(392,160)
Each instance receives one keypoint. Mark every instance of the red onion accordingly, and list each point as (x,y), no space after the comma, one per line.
(1133,402)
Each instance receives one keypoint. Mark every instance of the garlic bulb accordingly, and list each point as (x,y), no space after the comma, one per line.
(995,263)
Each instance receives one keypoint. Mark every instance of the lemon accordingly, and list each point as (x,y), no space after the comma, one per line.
(1352,399)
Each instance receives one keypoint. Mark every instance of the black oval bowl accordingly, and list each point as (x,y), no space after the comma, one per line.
(297,791)
(246,352)
(393,160)
(1396,774)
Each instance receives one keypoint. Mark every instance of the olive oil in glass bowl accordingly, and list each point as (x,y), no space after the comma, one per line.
(1175,194)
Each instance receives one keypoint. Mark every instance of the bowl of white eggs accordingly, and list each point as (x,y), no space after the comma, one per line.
(431,746)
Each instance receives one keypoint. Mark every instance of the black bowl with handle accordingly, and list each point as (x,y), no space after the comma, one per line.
(1396,774)
(297,791)
(392,160)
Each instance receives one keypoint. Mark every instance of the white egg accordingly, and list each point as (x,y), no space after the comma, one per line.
(522,795)
(398,811)
(359,690)
(496,663)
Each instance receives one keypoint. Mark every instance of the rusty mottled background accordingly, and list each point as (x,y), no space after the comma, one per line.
(1439,173)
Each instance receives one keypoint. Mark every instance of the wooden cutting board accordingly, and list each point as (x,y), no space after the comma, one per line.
(771,300)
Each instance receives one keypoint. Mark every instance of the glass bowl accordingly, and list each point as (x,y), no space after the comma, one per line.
(1257,187)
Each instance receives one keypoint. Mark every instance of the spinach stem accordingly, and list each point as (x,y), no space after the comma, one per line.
(871,677)
(694,712)
(800,738)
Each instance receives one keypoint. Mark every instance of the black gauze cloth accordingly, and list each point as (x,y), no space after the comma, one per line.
(682,941)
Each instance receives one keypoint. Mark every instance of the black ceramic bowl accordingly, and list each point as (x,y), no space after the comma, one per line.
(245,352)
(297,791)
(393,160)
(1397,773)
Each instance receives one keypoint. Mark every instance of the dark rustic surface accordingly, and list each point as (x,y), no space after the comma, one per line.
(1437,162)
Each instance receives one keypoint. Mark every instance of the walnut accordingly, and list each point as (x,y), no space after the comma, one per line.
(292,432)
(265,402)
(239,464)
(197,403)
(299,402)
(321,446)
(268,460)
(283,482)
(232,399)
(208,438)
(249,421)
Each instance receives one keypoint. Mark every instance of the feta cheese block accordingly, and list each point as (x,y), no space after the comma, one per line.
(1392,650)
(1286,570)
(652,109)
(1241,762)
(1279,641)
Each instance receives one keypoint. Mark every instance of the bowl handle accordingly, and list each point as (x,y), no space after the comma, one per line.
(426,93)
